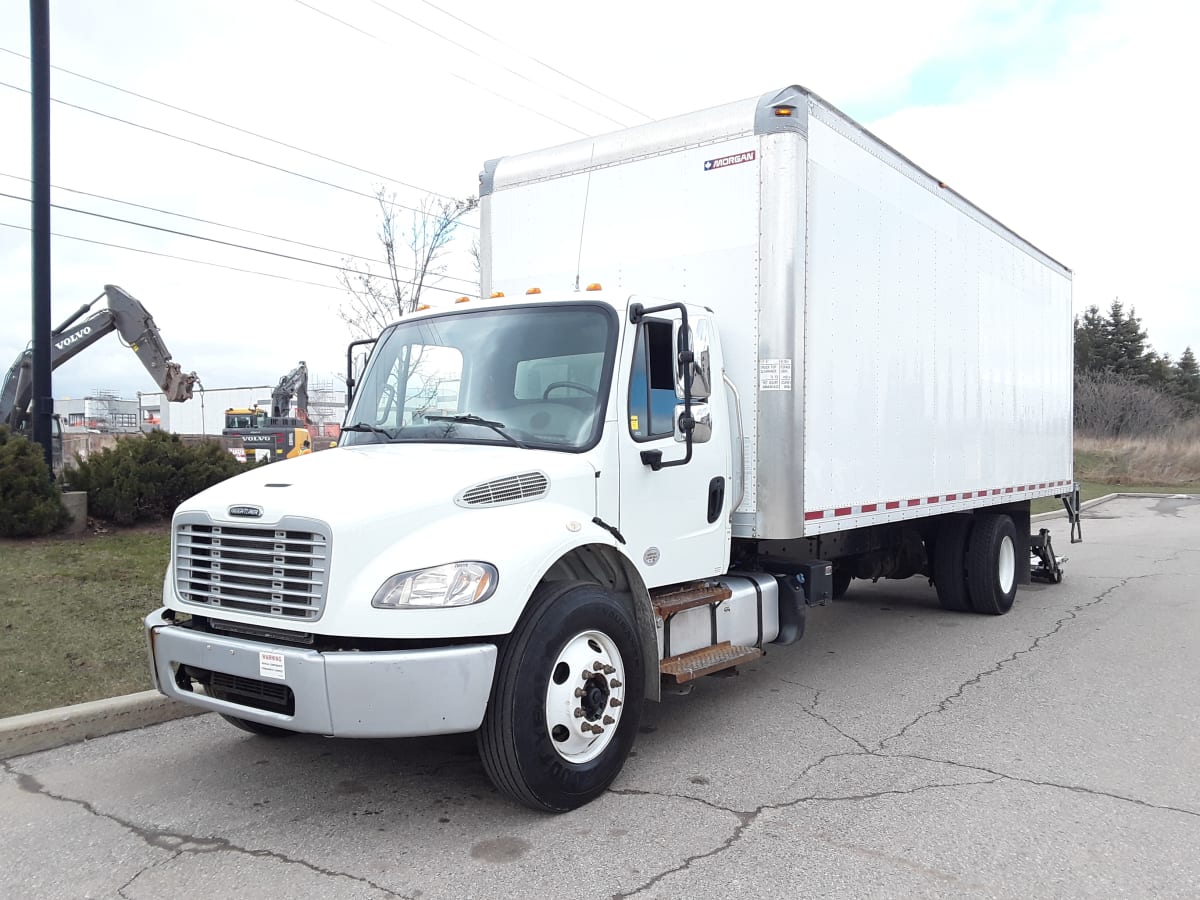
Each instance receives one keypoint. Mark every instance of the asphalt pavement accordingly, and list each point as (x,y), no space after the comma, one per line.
(897,751)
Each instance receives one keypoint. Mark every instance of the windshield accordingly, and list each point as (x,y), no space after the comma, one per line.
(529,376)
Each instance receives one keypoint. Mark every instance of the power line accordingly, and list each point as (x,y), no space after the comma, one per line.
(274,237)
(224,124)
(199,262)
(249,159)
(231,244)
(474,84)
(521,75)
(535,59)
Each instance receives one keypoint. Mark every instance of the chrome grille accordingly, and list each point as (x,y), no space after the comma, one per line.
(269,570)
(513,489)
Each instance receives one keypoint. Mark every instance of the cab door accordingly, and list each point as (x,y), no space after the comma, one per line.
(674,515)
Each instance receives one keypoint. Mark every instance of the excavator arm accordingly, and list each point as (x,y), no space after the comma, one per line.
(294,383)
(124,315)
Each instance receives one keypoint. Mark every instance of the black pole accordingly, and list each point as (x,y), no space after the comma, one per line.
(39,66)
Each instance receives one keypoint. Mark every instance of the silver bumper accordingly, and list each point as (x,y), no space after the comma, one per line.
(403,693)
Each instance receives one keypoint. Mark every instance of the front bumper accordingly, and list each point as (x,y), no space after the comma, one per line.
(367,694)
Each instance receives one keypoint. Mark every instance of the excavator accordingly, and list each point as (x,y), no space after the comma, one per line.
(124,315)
(277,434)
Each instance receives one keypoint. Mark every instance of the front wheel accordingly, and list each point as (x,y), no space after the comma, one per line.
(566,698)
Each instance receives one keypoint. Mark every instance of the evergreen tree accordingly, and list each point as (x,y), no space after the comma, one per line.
(1125,344)
(1089,341)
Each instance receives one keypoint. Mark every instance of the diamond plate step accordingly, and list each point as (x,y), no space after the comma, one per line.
(697,593)
(687,666)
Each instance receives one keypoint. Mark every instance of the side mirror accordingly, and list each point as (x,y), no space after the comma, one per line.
(701,425)
(696,339)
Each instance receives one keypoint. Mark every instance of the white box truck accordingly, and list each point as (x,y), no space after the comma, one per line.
(726,363)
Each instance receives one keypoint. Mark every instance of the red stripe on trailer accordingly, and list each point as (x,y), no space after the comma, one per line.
(818,514)
(933,500)
(952,496)
(967,495)
(1008,490)
(892,504)
(995,491)
(842,511)
(916,502)
(870,507)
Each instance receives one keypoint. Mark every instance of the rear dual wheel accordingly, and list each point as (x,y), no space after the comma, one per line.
(975,563)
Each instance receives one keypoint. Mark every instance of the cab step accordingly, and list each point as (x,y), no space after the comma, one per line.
(688,666)
(687,596)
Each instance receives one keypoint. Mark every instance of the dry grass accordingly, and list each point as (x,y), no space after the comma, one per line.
(1170,459)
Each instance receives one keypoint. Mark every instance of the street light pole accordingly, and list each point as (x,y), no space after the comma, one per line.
(39,65)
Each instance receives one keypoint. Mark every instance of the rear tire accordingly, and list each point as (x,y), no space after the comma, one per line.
(566,698)
(950,563)
(272,731)
(841,583)
(992,564)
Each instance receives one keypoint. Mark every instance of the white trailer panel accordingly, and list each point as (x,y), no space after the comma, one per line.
(898,352)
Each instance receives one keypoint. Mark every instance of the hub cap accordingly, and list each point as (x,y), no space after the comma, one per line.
(1007,568)
(585,696)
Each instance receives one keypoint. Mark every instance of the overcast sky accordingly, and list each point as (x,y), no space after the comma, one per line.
(1071,122)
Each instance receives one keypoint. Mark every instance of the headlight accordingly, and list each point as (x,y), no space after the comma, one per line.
(454,584)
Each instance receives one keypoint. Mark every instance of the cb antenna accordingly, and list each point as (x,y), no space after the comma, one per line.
(583,222)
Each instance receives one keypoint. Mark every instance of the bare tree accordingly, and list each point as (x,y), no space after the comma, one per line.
(378,299)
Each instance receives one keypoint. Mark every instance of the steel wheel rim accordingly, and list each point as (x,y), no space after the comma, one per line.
(1007,568)
(585,696)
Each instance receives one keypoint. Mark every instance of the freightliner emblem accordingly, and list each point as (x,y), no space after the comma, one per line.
(248,512)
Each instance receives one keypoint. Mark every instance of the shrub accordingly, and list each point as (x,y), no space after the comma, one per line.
(30,503)
(1110,406)
(145,478)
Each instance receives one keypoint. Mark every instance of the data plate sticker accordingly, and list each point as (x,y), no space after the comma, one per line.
(270,665)
(775,374)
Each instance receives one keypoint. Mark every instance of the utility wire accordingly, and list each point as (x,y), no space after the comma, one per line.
(274,237)
(199,262)
(520,75)
(235,246)
(474,84)
(544,65)
(224,124)
(249,159)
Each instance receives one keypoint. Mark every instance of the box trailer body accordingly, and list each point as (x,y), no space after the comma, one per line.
(798,360)
(900,353)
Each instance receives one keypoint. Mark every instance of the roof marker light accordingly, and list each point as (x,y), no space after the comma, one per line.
(534,291)
(463,300)
(496,294)
(595,286)
(783,111)
(424,306)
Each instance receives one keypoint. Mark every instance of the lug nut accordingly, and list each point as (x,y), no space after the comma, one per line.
(615,683)
(613,701)
(579,713)
(608,670)
(597,666)
(578,692)
(608,720)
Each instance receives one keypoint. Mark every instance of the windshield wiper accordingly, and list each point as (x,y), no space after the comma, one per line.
(363,426)
(468,419)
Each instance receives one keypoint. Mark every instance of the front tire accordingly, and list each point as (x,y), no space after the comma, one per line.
(566,698)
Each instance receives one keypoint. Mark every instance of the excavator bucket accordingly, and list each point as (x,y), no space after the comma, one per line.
(177,386)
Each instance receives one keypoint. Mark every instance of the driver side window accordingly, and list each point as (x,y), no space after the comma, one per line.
(652,383)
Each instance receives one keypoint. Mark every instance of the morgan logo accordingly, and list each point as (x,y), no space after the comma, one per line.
(72,338)
(722,162)
(246,512)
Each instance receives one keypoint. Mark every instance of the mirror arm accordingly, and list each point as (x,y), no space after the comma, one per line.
(687,423)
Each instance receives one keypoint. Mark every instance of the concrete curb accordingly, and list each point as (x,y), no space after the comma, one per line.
(1088,504)
(52,728)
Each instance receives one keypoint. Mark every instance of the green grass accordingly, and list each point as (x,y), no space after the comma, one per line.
(71,612)
(1090,490)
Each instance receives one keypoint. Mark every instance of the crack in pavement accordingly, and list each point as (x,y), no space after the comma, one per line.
(1079,789)
(811,710)
(1072,614)
(746,819)
(182,843)
(140,872)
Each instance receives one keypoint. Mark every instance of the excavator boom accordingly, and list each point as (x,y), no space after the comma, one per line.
(124,315)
